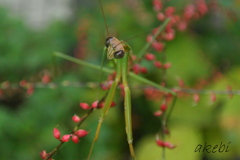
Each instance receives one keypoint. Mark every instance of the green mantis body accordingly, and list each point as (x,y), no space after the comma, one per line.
(122,74)
(120,51)
(112,49)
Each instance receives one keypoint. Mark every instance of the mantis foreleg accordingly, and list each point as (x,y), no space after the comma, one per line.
(107,105)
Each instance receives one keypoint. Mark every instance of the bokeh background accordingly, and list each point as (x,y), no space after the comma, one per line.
(205,56)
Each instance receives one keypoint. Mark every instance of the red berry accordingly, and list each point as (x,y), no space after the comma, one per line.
(75,139)
(23,83)
(158,46)
(106,85)
(160,143)
(149,38)
(136,68)
(143,70)
(189,11)
(84,106)
(169,36)
(56,133)
(76,119)
(113,104)
(163,107)
(202,7)
(66,137)
(157,4)
(158,64)
(81,133)
(149,56)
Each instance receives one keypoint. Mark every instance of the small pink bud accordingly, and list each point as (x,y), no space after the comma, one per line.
(56,133)
(143,70)
(160,16)
(136,68)
(113,104)
(149,38)
(76,119)
(23,83)
(158,113)
(202,7)
(163,107)
(75,139)
(43,154)
(106,85)
(182,26)
(157,4)
(189,11)
(81,133)
(167,65)
(160,143)
(84,106)
(213,97)
(66,137)
(95,104)
(181,83)
(149,56)
(30,90)
(196,98)
(46,78)
(169,11)
(169,145)
(158,46)
(158,64)
(169,36)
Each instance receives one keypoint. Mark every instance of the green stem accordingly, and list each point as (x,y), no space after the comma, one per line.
(147,45)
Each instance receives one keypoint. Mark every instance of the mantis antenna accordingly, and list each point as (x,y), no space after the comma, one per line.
(102,59)
(105,22)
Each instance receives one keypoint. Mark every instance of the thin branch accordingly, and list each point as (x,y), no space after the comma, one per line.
(93,85)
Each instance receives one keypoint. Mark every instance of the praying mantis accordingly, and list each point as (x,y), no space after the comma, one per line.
(120,53)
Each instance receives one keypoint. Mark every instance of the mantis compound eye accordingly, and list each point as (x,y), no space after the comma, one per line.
(119,54)
(107,42)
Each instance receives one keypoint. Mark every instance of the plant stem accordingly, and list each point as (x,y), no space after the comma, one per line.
(147,45)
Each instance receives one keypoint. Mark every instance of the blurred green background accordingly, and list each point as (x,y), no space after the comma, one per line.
(206,54)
